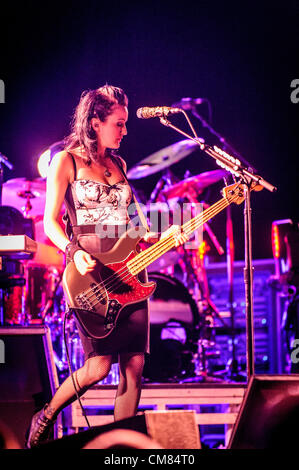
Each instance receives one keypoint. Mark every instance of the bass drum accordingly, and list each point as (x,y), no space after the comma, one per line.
(174,326)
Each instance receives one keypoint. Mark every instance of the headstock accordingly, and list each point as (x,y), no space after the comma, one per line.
(236,192)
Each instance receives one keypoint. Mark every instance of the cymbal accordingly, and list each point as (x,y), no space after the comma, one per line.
(162,159)
(195,183)
(18,192)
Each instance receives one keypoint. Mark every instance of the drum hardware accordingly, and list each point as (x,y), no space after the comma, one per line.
(3,161)
(28,206)
(51,305)
(12,310)
(158,188)
(164,194)
(208,311)
(25,200)
(194,185)
(193,261)
(30,264)
(232,371)
(41,296)
(174,320)
(205,348)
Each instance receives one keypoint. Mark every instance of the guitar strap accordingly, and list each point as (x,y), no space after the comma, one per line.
(139,211)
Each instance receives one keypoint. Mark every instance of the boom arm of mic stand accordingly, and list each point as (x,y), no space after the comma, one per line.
(219,136)
(195,139)
(223,159)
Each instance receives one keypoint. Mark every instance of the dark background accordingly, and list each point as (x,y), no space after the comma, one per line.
(241,56)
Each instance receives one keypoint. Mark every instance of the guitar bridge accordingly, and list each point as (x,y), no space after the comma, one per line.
(89,300)
(84,302)
(113,309)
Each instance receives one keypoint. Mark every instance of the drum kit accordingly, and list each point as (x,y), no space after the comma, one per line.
(182,314)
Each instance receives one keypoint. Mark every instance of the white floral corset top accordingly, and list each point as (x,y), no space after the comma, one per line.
(101,203)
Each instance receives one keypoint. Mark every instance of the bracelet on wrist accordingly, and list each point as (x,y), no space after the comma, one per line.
(71,249)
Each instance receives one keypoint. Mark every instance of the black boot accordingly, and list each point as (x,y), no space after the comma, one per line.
(39,429)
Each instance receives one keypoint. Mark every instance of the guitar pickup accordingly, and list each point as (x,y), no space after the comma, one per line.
(100,294)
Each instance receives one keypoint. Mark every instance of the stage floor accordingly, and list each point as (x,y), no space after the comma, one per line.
(214,403)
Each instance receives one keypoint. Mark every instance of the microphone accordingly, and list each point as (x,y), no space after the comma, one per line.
(4,159)
(156,111)
(189,103)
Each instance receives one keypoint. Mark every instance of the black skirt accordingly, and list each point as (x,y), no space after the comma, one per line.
(131,333)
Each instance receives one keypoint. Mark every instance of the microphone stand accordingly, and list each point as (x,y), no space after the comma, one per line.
(232,367)
(247,176)
(223,141)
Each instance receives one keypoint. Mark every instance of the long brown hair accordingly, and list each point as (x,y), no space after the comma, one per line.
(93,103)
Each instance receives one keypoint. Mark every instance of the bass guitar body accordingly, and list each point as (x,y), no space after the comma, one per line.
(99,297)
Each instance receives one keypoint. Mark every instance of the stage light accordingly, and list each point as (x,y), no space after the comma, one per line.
(275,241)
(43,163)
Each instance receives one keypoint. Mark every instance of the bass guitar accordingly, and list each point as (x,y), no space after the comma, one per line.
(99,297)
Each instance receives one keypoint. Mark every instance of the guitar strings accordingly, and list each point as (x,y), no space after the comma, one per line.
(169,241)
(164,243)
(155,251)
(114,280)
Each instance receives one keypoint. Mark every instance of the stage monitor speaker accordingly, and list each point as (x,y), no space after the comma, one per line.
(175,429)
(269,414)
(28,376)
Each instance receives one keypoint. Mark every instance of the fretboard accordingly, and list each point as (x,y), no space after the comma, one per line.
(148,256)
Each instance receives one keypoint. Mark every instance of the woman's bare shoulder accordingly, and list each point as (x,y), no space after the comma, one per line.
(61,165)
(62,157)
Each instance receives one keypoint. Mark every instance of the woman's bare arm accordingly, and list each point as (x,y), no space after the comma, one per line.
(61,172)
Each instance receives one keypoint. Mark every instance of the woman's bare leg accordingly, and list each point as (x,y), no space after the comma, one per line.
(129,388)
(94,370)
